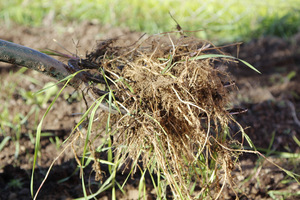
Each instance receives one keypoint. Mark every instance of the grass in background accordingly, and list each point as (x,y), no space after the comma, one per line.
(224,21)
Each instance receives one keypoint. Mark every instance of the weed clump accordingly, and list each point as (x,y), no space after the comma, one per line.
(173,115)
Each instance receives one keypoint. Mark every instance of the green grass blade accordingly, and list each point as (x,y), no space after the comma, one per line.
(4,141)
(131,170)
(38,136)
(142,185)
(296,140)
(168,65)
(205,56)
(106,185)
(99,101)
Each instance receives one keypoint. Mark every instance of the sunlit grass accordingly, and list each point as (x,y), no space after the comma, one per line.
(223,20)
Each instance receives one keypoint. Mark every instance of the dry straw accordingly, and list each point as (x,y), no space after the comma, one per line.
(172,106)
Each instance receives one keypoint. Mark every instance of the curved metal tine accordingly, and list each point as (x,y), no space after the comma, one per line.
(74,65)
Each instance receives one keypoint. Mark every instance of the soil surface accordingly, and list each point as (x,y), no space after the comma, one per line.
(272,121)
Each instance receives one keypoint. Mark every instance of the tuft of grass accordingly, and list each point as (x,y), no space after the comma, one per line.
(173,117)
(15,183)
(222,21)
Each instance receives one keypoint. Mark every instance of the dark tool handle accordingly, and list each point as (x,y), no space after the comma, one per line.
(20,55)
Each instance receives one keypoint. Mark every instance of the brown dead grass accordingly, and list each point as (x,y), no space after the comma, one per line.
(176,120)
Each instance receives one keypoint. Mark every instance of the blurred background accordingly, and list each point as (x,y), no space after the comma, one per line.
(220,21)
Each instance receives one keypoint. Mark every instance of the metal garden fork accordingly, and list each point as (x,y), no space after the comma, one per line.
(20,55)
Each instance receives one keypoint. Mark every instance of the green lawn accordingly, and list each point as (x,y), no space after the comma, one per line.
(222,21)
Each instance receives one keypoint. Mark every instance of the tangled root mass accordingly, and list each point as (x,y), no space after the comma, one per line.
(176,118)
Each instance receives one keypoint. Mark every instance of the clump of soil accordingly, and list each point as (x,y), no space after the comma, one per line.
(173,104)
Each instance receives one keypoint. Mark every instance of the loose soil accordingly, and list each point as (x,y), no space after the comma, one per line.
(272,99)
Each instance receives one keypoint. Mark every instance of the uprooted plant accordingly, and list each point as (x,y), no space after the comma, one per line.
(171,112)
(168,114)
